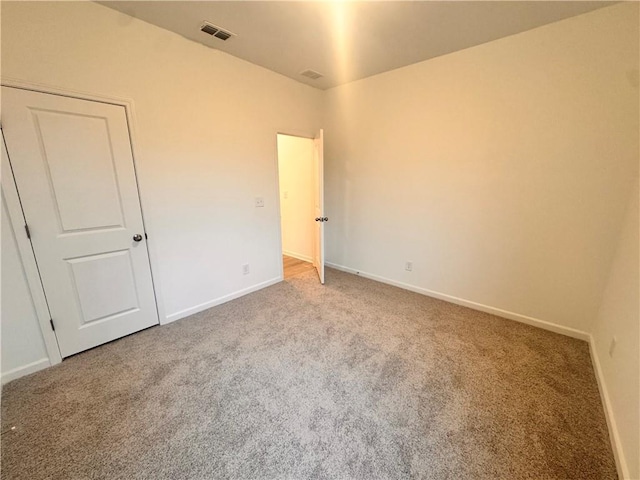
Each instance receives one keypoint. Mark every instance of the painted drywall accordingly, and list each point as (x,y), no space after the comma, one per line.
(205,138)
(619,317)
(22,345)
(295,170)
(502,171)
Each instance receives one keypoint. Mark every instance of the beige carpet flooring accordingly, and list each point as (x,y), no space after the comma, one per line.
(353,380)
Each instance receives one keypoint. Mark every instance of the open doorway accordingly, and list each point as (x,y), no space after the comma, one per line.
(301,191)
(297,206)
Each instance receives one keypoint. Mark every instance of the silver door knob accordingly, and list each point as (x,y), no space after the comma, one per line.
(137,237)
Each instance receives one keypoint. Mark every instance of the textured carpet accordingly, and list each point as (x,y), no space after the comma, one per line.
(352,380)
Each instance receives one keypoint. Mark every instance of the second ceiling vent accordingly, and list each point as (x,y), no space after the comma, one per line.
(216,31)
(312,74)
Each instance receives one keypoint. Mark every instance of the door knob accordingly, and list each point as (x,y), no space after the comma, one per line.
(137,237)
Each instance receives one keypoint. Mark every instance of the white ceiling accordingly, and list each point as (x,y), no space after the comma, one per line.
(345,40)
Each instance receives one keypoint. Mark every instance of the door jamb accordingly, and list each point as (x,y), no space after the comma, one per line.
(28,261)
(130,114)
(278,205)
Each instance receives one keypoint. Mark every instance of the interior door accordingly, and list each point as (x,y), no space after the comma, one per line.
(73,166)
(318,164)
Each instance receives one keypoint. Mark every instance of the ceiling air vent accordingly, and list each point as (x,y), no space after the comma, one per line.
(312,74)
(216,31)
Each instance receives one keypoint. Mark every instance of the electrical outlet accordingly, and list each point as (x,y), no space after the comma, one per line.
(259,202)
(408,266)
(245,269)
(612,346)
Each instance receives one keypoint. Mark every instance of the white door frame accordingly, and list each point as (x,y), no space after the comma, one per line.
(17,219)
(298,134)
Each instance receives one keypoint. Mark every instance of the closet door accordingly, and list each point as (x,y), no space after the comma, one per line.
(73,166)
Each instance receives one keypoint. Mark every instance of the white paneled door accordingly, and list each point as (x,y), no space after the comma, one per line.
(73,166)
(318,167)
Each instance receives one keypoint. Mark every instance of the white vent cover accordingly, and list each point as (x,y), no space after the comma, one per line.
(312,74)
(216,31)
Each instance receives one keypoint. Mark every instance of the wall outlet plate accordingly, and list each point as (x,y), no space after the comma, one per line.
(245,269)
(408,266)
(259,202)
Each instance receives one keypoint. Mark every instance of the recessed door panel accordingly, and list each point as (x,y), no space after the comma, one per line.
(104,285)
(73,166)
(82,171)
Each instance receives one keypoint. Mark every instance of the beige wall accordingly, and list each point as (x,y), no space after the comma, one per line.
(619,317)
(295,169)
(196,108)
(501,171)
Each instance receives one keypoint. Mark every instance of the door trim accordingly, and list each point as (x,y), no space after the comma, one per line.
(298,134)
(28,260)
(130,114)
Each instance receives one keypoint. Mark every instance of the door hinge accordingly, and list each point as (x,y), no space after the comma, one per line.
(53,327)
(146,237)
(26,229)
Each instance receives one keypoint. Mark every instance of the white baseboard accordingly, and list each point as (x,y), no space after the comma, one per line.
(616,444)
(25,370)
(553,327)
(217,301)
(299,256)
